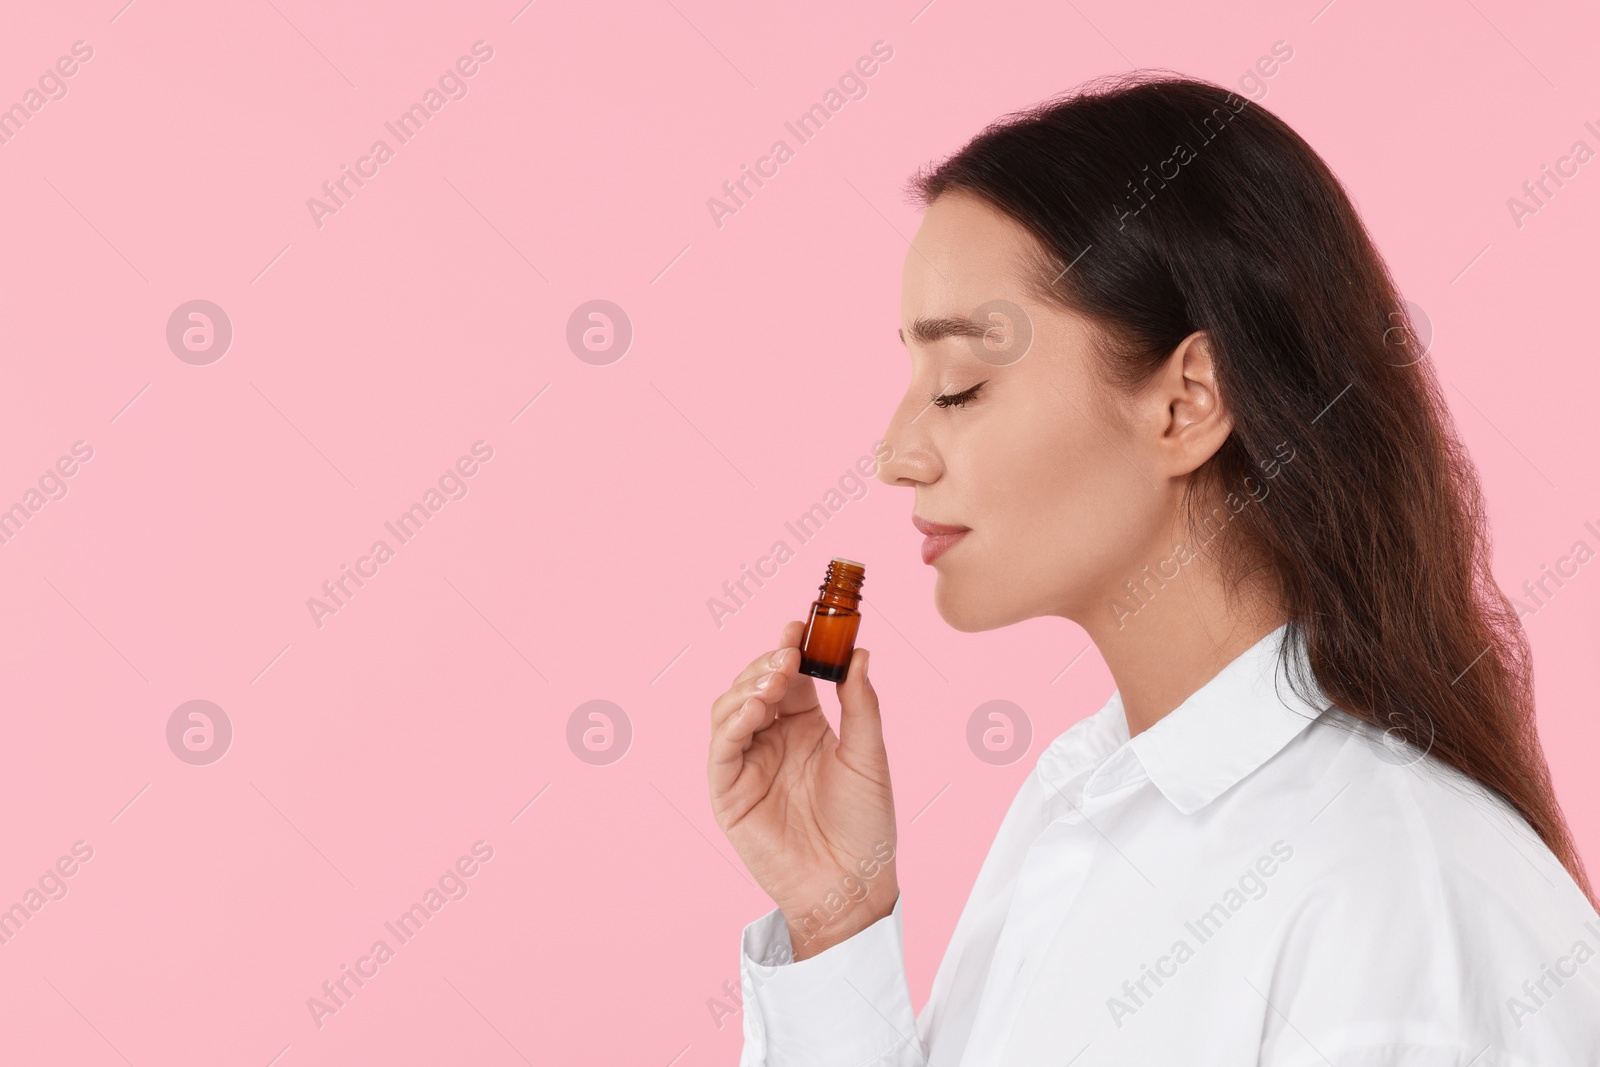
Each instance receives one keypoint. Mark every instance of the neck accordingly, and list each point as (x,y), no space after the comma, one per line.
(1180,637)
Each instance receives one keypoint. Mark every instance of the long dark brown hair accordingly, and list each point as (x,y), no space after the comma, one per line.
(1164,205)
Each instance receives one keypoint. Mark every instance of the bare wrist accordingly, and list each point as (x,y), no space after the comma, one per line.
(809,937)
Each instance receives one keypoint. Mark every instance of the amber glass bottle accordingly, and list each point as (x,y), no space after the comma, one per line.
(830,635)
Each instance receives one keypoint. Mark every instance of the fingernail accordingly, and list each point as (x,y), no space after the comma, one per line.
(764,681)
(777,658)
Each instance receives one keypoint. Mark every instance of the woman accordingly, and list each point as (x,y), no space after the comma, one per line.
(1163,386)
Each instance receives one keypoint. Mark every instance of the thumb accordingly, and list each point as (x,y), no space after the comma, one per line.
(860,725)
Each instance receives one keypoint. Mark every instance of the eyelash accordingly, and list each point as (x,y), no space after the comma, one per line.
(955,400)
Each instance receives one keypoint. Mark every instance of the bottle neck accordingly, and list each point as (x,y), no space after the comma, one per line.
(838,597)
(841,587)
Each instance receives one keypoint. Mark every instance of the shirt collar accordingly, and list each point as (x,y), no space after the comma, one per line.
(1242,717)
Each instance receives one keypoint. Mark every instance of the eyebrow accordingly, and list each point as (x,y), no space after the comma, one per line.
(927,331)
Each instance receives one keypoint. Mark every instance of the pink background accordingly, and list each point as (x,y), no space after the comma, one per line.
(370,353)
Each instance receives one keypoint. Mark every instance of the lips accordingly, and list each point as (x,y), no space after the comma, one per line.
(934,528)
(938,537)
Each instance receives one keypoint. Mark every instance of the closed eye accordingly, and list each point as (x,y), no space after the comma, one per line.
(955,400)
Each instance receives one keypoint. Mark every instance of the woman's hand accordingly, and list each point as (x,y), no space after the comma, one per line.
(811,814)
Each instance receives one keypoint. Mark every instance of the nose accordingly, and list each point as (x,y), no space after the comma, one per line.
(912,459)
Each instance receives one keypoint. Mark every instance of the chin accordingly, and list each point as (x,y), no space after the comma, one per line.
(972,600)
(967,613)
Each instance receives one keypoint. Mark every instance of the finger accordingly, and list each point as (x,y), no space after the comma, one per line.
(761,664)
(792,630)
(775,672)
(730,741)
(860,723)
(803,696)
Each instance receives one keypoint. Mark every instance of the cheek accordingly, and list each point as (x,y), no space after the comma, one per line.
(1051,465)
(1059,500)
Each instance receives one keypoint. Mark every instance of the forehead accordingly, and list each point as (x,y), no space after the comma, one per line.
(965,253)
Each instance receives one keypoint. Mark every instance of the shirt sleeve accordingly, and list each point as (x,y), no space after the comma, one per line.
(847,1006)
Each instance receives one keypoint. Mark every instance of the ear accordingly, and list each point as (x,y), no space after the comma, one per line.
(1196,421)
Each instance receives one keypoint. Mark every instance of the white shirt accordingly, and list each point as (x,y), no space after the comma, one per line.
(1253,880)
